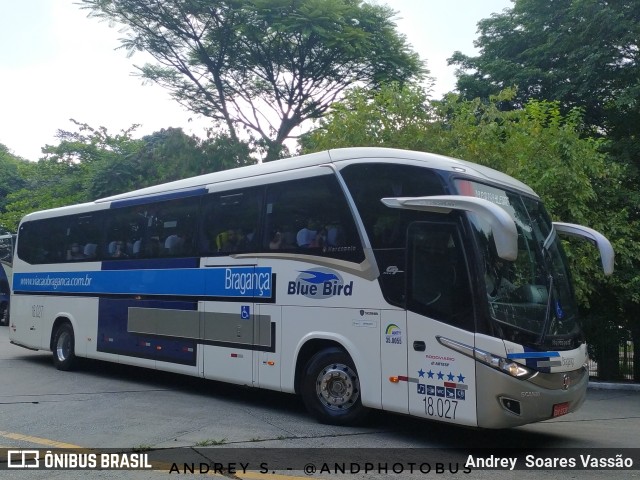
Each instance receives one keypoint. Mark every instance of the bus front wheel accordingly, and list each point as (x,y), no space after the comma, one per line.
(64,357)
(331,388)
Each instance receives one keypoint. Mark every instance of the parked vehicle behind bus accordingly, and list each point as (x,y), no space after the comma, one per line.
(7,243)
(357,278)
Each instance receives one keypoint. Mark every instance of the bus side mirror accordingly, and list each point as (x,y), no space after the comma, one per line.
(607,255)
(505,234)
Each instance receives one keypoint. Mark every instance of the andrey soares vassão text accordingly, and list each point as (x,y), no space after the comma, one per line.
(583,461)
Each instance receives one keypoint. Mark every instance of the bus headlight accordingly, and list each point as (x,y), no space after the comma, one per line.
(494,361)
(516,370)
(507,366)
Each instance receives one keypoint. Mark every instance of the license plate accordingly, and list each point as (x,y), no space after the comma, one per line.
(560,409)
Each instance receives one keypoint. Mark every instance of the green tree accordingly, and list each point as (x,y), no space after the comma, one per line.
(581,53)
(48,185)
(392,116)
(90,163)
(164,156)
(262,66)
(10,176)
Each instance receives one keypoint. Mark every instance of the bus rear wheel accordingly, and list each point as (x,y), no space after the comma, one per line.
(331,388)
(64,357)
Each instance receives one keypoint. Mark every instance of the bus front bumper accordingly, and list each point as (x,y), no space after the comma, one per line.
(510,402)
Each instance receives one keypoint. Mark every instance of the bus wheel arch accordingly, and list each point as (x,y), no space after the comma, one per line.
(63,344)
(329,384)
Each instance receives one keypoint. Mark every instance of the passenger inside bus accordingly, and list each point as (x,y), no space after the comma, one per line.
(307,234)
(119,249)
(227,241)
(174,243)
(75,252)
(276,241)
(90,250)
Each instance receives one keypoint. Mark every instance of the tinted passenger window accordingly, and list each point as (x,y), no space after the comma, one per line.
(311,216)
(165,229)
(370,182)
(230,222)
(64,239)
(387,227)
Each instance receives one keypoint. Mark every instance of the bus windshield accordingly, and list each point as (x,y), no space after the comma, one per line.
(530,300)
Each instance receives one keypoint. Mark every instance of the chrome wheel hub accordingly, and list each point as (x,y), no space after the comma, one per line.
(337,387)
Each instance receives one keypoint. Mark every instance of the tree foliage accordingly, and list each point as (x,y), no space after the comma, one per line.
(11,178)
(262,66)
(10,166)
(90,163)
(393,116)
(581,53)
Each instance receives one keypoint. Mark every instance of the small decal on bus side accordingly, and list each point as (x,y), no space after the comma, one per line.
(393,334)
(365,323)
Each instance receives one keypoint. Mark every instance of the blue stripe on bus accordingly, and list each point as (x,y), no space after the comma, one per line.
(234,282)
(533,355)
(186,193)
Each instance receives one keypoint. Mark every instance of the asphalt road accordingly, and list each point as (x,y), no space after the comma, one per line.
(176,420)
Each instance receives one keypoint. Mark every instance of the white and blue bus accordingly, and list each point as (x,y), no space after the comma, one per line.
(358,278)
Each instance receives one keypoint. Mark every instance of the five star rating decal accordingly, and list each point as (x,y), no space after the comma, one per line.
(450,388)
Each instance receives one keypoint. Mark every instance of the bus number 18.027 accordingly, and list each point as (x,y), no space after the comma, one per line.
(441,408)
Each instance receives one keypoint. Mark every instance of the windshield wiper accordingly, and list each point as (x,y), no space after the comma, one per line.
(546,245)
(547,315)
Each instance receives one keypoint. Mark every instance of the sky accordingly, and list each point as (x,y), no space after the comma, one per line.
(57,64)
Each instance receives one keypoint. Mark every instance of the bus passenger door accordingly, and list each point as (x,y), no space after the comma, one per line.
(268,341)
(228,324)
(439,308)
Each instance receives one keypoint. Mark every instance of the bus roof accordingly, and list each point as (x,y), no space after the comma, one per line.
(335,156)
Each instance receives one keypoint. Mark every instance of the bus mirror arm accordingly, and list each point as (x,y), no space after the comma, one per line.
(505,234)
(607,255)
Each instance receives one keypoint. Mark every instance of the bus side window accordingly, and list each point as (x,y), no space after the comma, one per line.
(311,216)
(230,222)
(438,280)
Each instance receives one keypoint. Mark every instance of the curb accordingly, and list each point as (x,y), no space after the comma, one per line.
(635,387)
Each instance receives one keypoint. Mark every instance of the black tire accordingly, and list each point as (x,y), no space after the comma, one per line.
(64,357)
(330,388)
(4,314)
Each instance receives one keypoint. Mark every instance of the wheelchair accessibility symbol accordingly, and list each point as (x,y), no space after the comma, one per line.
(245,312)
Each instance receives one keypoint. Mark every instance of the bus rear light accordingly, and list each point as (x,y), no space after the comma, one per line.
(394,379)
